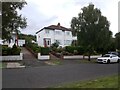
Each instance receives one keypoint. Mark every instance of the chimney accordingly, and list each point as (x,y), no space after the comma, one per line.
(58,25)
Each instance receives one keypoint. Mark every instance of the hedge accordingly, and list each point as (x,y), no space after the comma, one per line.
(34,47)
(45,50)
(10,51)
(37,49)
(75,49)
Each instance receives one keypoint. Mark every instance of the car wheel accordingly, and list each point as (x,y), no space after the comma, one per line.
(118,60)
(108,61)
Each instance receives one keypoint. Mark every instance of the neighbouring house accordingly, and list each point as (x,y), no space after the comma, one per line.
(13,40)
(54,33)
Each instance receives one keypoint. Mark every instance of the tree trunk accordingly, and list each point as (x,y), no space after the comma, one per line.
(89,57)
(83,56)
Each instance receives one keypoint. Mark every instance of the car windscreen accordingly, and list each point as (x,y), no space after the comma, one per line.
(106,55)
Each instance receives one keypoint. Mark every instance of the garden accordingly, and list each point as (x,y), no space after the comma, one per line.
(10,51)
(37,50)
(11,54)
(71,52)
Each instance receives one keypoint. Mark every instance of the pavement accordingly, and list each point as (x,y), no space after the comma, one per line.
(50,76)
(14,65)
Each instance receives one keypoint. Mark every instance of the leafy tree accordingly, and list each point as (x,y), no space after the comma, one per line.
(92,29)
(28,38)
(117,40)
(11,20)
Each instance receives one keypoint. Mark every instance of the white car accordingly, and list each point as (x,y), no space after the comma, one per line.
(108,58)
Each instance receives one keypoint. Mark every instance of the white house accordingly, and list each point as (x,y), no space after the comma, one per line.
(13,41)
(54,33)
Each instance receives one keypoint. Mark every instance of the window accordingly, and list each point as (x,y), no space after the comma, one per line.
(58,41)
(48,42)
(67,42)
(47,31)
(68,33)
(57,32)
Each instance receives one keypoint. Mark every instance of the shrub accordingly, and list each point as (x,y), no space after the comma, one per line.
(75,50)
(56,44)
(5,50)
(60,49)
(15,50)
(34,47)
(10,51)
(70,49)
(45,51)
(81,50)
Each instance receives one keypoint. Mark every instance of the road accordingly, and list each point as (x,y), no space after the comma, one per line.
(47,76)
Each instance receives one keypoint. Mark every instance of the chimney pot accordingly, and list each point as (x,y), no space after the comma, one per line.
(58,24)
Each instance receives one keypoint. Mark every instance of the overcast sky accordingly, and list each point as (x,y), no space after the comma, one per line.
(42,13)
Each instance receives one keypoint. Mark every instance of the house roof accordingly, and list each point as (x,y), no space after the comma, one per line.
(53,27)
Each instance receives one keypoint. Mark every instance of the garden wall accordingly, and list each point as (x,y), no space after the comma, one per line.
(43,57)
(80,57)
(12,57)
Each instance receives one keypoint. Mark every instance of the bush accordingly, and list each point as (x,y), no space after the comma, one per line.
(60,49)
(5,50)
(81,50)
(10,51)
(45,51)
(15,50)
(56,44)
(70,49)
(34,47)
(75,50)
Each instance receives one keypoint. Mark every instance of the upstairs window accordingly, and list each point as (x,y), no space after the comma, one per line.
(47,31)
(68,33)
(57,32)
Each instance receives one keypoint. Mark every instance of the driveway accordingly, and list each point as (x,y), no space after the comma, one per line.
(29,60)
(27,55)
(47,76)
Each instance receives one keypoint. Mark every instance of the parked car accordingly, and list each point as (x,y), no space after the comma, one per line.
(115,53)
(108,58)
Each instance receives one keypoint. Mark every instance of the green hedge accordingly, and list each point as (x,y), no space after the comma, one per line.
(70,49)
(75,49)
(10,51)
(45,50)
(34,47)
(37,49)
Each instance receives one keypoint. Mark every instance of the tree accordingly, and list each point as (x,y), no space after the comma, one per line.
(11,20)
(92,29)
(28,38)
(117,40)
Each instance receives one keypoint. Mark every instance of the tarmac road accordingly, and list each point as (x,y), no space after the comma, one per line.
(47,76)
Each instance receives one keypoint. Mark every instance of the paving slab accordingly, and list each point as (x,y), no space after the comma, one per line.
(14,65)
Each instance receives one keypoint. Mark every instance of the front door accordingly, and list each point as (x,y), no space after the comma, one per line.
(47,42)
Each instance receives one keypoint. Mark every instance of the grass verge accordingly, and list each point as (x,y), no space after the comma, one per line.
(54,62)
(86,61)
(3,65)
(104,82)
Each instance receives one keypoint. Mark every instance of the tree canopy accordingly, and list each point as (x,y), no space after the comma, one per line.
(117,40)
(91,29)
(11,20)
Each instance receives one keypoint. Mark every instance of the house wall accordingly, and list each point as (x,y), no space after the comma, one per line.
(21,42)
(54,35)
(40,37)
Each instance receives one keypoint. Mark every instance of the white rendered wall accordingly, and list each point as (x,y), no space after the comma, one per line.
(53,36)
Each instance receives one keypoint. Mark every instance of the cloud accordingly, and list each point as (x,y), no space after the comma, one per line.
(41,13)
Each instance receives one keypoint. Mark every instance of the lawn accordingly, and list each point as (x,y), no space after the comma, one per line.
(86,61)
(104,82)
(3,65)
(54,62)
